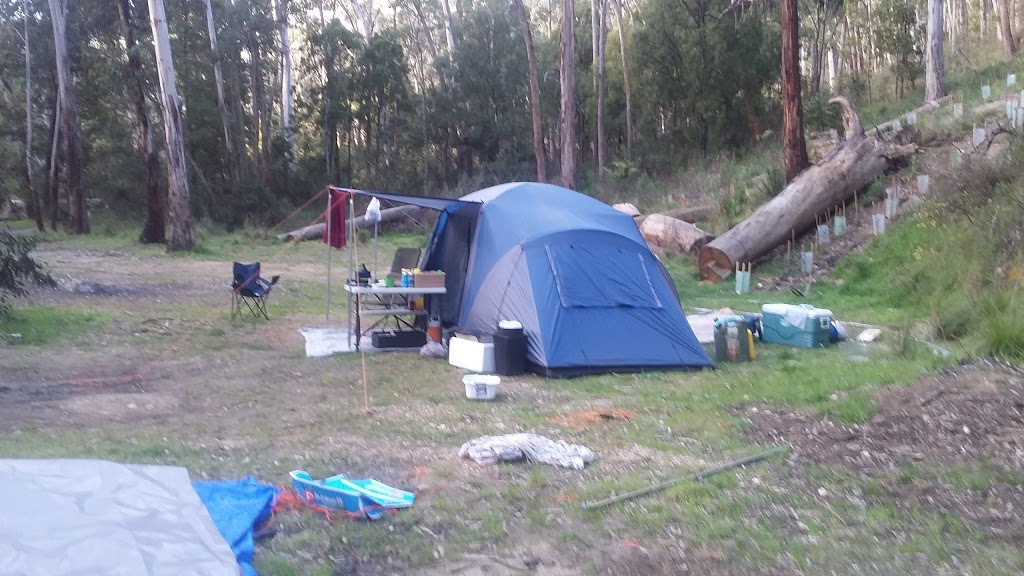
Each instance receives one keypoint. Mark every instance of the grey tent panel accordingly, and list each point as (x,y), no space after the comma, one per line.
(97,518)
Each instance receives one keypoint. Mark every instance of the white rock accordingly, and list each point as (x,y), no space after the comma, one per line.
(822,492)
(869,335)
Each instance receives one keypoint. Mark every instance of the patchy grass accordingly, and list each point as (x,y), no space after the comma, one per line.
(46,325)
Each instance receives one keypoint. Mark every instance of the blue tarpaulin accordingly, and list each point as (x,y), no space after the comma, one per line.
(238,507)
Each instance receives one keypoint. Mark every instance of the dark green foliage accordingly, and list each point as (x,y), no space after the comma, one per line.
(896,32)
(819,115)
(704,79)
(18,270)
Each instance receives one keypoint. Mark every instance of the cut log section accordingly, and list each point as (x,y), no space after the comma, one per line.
(672,234)
(691,214)
(851,167)
(390,219)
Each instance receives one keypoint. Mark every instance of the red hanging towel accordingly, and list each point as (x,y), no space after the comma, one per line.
(334,229)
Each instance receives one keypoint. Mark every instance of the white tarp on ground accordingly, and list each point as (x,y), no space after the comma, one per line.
(703,325)
(98,518)
(327,341)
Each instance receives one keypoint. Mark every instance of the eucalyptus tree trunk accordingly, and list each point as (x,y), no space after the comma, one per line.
(53,185)
(567,112)
(531,62)
(79,214)
(602,41)
(153,230)
(180,215)
(260,110)
(1009,45)
(449,33)
(984,18)
(442,75)
(814,83)
(794,147)
(625,79)
(364,17)
(935,72)
(287,115)
(594,23)
(33,194)
(234,169)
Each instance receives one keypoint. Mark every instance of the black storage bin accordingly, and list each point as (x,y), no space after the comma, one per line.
(510,348)
(398,339)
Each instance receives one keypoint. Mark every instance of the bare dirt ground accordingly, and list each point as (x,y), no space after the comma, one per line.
(966,418)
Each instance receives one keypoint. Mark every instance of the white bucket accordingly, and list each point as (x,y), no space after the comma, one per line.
(481,386)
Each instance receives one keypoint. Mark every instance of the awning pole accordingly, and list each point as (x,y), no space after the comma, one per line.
(352,219)
(328,246)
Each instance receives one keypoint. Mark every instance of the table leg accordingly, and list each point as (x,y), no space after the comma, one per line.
(359,327)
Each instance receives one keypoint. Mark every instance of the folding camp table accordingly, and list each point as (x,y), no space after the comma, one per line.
(384,303)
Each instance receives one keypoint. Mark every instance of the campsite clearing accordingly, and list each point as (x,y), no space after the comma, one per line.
(230,399)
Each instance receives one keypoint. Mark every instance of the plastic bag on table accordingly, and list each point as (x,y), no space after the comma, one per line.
(434,350)
(373,211)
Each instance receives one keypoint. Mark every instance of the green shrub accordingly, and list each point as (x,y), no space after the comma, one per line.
(18,270)
(955,321)
(1002,325)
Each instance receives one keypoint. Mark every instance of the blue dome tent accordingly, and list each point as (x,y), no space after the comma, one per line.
(576,273)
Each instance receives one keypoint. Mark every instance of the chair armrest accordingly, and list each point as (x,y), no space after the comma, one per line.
(268,284)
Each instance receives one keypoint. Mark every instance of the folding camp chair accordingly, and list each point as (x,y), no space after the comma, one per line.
(404,258)
(248,287)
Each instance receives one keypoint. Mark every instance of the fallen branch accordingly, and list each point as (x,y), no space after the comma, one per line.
(696,477)
(928,106)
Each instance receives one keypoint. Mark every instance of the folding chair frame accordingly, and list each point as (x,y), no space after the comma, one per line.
(241,291)
(256,304)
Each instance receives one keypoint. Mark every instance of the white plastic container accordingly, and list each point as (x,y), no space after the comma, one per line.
(481,386)
(471,355)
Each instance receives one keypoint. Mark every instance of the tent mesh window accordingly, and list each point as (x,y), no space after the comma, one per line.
(606,278)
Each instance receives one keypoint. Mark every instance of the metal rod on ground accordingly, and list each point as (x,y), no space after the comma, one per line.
(695,477)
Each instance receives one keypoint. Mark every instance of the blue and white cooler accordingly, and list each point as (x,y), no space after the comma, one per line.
(802,326)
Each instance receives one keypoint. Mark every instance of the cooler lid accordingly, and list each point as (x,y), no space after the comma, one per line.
(783,309)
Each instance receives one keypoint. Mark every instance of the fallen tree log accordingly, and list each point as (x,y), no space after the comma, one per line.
(389,217)
(890,124)
(691,214)
(853,165)
(673,234)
